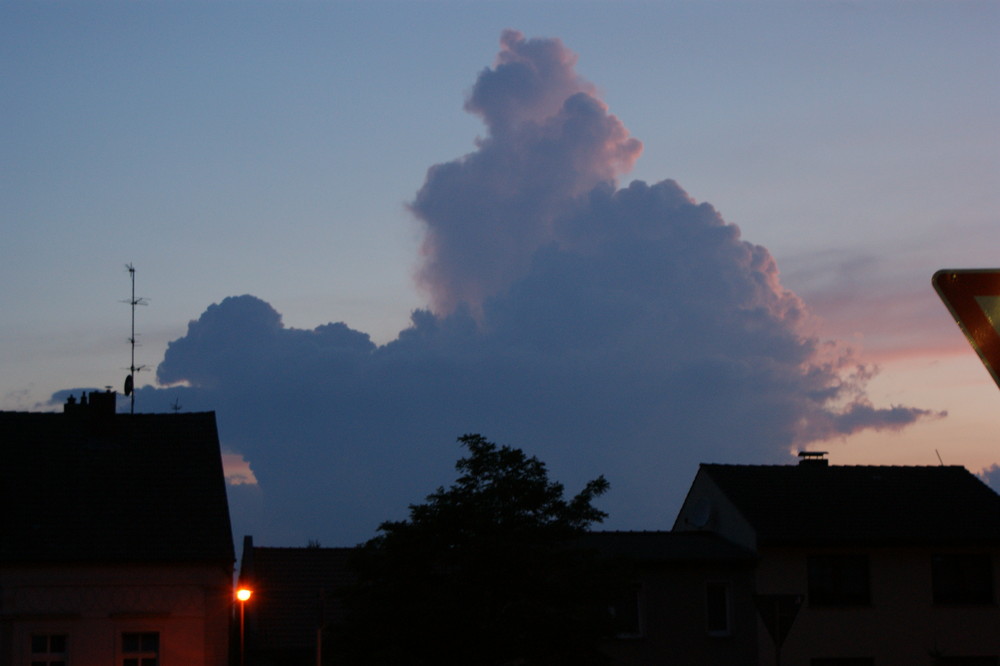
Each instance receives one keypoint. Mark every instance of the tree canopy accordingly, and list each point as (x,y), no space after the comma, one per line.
(488,571)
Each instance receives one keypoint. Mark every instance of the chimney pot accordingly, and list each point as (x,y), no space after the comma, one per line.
(813,459)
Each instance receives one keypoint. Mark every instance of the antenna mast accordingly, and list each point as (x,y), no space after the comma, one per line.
(132,368)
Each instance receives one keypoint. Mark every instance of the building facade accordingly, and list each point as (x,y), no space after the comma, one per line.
(861,566)
(692,601)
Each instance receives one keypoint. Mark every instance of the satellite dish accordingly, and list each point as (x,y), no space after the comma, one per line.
(700,514)
(128,385)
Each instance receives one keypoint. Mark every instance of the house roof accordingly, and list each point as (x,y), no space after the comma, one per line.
(294,592)
(83,487)
(821,504)
(667,547)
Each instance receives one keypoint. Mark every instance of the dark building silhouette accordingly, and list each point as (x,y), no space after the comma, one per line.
(692,600)
(115,539)
(847,565)
(890,566)
(295,599)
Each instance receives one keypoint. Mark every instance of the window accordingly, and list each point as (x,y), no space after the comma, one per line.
(141,649)
(717,611)
(839,580)
(48,650)
(962,578)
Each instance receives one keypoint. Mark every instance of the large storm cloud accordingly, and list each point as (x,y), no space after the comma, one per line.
(625,331)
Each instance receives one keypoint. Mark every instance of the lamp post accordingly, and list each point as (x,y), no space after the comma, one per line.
(243,594)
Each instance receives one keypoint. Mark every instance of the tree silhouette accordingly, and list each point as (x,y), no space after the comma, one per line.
(487,572)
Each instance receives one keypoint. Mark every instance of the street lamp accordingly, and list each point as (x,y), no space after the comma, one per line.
(243,594)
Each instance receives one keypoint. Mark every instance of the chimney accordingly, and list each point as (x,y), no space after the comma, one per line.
(813,459)
(95,404)
(103,404)
(70,406)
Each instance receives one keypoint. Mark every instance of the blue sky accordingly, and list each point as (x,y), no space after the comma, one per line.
(272,149)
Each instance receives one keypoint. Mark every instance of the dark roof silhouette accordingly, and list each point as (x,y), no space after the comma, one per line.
(87,486)
(821,504)
(667,547)
(294,591)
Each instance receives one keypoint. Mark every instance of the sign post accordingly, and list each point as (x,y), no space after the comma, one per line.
(778,612)
(973,298)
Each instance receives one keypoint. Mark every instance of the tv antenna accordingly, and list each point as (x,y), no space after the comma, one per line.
(133,368)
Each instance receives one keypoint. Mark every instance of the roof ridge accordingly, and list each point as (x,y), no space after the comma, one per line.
(629,531)
(829,467)
(303,548)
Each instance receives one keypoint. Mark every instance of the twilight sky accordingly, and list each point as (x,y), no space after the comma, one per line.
(627,237)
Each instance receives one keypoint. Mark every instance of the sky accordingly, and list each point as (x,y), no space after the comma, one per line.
(627,237)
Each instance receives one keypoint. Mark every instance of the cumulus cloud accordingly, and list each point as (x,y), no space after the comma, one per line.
(991,477)
(550,141)
(626,331)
